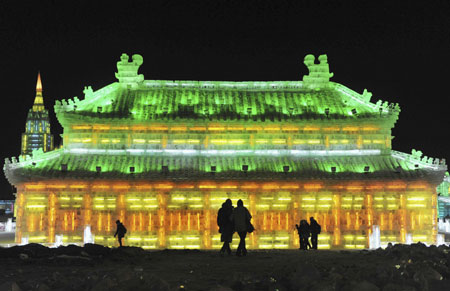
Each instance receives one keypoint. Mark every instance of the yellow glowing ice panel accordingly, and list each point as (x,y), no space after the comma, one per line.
(179,141)
(37,239)
(138,140)
(314,141)
(104,203)
(298,141)
(278,141)
(154,141)
(184,241)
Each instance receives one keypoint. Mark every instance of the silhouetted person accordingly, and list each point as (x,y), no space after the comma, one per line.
(226,226)
(303,233)
(241,218)
(314,229)
(120,232)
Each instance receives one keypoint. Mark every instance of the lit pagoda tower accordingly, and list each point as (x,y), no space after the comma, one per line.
(162,156)
(37,127)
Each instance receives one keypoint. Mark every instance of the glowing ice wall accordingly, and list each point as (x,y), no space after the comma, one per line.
(183,215)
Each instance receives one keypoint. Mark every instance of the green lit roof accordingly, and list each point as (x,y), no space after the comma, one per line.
(82,165)
(139,100)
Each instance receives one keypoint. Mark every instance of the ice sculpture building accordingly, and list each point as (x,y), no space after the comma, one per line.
(162,156)
(37,127)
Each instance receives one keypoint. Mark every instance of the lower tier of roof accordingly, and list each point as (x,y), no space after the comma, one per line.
(67,164)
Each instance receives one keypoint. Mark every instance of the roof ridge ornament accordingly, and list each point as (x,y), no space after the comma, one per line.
(127,72)
(319,74)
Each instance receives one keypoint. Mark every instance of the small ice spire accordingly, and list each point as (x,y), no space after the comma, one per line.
(39,83)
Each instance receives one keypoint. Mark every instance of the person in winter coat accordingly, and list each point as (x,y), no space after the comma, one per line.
(303,233)
(314,229)
(120,232)
(226,226)
(241,218)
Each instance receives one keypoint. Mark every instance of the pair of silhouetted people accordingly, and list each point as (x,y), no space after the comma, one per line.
(306,230)
(120,232)
(231,219)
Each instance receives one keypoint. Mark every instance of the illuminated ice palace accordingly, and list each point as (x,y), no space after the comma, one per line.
(162,156)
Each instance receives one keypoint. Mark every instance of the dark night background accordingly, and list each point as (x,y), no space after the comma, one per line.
(398,50)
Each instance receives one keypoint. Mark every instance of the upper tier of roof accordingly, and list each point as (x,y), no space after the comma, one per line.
(139,100)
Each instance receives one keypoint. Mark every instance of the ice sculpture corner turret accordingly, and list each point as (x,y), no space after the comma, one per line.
(127,72)
(319,74)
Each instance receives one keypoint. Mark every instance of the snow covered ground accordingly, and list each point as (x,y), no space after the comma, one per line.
(94,267)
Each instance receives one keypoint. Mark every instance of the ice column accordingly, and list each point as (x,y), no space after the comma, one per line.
(88,238)
(440,239)
(58,240)
(9,225)
(24,240)
(374,237)
(409,239)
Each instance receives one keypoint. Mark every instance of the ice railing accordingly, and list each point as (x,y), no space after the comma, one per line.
(417,158)
(39,156)
(89,97)
(364,99)
(36,157)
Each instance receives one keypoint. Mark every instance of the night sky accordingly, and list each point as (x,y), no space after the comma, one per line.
(398,51)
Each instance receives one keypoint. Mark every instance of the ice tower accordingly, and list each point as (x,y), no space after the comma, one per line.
(37,127)
(162,156)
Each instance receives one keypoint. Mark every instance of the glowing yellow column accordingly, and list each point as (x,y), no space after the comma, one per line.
(434,217)
(108,222)
(337,219)
(207,226)
(359,142)
(413,215)
(66,221)
(357,225)
(73,221)
(129,140)
(161,219)
(51,217)
(369,211)
(252,209)
(402,213)
(382,222)
(349,220)
(41,222)
(87,209)
(121,206)
(19,216)
(391,221)
(30,222)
